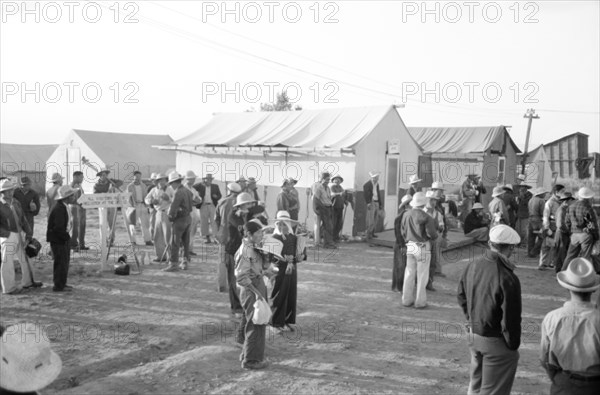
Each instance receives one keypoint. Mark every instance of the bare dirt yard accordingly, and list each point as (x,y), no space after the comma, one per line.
(172,333)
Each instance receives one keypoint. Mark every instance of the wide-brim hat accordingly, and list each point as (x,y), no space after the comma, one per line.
(56,177)
(284,216)
(160,176)
(208,176)
(190,174)
(437,185)
(524,186)
(64,192)
(504,234)
(477,206)
(174,176)
(292,181)
(243,198)
(234,187)
(25,181)
(585,193)
(539,191)
(6,185)
(498,191)
(508,187)
(272,246)
(102,171)
(27,366)
(152,176)
(566,196)
(419,199)
(579,276)
(405,200)
(338,177)
(431,195)
(414,179)
(521,177)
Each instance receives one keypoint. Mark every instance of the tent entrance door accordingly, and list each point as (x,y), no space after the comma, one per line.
(392,175)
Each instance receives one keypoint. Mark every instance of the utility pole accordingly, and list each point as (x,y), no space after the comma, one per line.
(531,115)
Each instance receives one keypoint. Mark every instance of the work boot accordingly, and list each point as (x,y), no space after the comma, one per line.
(170,268)
(254,364)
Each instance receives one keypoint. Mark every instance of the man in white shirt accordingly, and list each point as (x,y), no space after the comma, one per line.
(190,180)
(138,191)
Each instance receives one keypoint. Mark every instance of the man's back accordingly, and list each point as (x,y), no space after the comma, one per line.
(418,226)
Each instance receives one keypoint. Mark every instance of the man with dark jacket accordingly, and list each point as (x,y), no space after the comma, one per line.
(489,294)
(582,222)
(179,215)
(210,195)
(400,246)
(60,224)
(28,199)
(374,202)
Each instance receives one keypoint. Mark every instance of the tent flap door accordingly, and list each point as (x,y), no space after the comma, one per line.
(392,167)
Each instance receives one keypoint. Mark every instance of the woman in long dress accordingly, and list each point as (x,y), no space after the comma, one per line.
(285,289)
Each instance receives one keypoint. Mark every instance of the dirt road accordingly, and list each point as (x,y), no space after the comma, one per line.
(171,333)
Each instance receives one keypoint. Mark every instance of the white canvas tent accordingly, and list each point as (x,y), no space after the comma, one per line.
(537,169)
(273,145)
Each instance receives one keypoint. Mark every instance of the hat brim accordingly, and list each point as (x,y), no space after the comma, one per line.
(246,202)
(414,203)
(412,182)
(71,193)
(176,179)
(586,196)
(18,381)
(337,178)
(97,174)
(498,194)
(560,277)
(8,189)
(272,253)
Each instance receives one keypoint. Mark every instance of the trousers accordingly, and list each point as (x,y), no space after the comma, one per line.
(234,296)
(372,213)
(180,238)
(161,235)
(581,246)
(142,217)
(79,215)
(194,226)
(62,256)
(254,335)
(418,257)
(399,267)
(493,365)
(12,247)
(207,217)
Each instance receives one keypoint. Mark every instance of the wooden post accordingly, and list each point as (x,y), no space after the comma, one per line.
(104,230)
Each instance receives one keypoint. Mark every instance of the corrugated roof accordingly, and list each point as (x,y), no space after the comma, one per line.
(328,128)
(137,148)
(24,157)
(460,139)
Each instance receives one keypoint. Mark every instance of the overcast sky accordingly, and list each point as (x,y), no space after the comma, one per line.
(161,67)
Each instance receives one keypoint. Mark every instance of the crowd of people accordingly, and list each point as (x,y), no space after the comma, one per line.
(253,247)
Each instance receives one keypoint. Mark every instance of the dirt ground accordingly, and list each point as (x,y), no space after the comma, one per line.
(172,333)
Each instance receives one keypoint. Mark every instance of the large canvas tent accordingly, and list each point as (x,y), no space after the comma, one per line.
(121,153)
(455,152)
(271,146)
(24,160)
(537,168)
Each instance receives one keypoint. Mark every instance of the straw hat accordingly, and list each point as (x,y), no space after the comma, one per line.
(477,206)
(160,176)
(539,191)
(437,185)
(585,193)
(64,192)
(272,246)
(284,216)
(419,199)
(373,174)
(498,191)
(174,176)
(579,276)
(508,187)
(504,234)
(6,185)
(101,171)
(521,177)
(292,180)
(338,177)
(234,187)
(431,195)
(243,198)
(190,175)
(56,177)
(27,366)
(152,176)
(405,199)
(414,179)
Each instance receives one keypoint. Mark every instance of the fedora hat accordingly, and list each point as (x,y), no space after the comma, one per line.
(174,176)
(477,206)
(160,176)
(539,191)
(292,180)
(25,181)
(208,176)
(504,234)
(373,174)
(338,177)
(437,185)
(272,246)
(419,199)
(28,363)
(6,185)
(566,196)
(585,193)
(579,276)
(64,192)
(105,170)
(234,187)
(56,177)
(190,174)
(243,198)
(414,179)
(508,187)
(498,191)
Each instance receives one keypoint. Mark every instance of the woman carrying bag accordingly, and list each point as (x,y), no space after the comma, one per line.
(251,264)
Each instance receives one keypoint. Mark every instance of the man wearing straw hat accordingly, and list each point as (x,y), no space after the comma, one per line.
(286,201)
(374,202)
(570,342)
(28,199)
(418,229)
(179,215)
(138,191)
(548,230)
(415,184)
(161,232)
(562,238)
(582,222)
(476,225)
(57,181)
(536,214)
(323,207)
(12,245)
(27,362)
(60,224)
(489,293)
(497,208)
(399,265)
(435,265)
(224,209)
(103,185)
(79,215)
